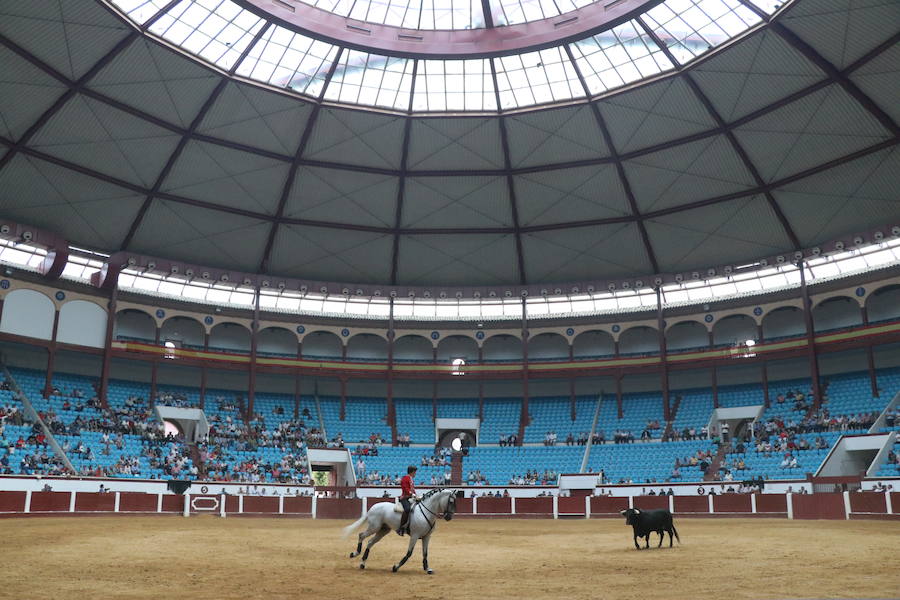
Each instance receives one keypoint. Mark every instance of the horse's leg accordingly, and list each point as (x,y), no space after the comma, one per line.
(412,544)
(363,535)
(381,533)
(425,541)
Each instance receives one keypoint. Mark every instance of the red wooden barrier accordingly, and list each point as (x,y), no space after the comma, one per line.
(651,502)
(137,502)
(691,504)
(464,506)
(868,502)
(499,506)
(50,501)
(531,506)
(173,503)
(261,504)
(95,502)
(570,506)
(12,501)
(335,508)
(828,505)
(606,505)
(771,503)
(298,505)
(732,503)
(232,504)
(895,502)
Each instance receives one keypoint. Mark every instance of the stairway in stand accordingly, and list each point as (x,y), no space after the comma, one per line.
(717,461)
(673,410)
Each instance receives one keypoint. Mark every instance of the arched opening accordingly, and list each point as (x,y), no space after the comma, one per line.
(457,346)
(884,304)
(134,326)
(276,341)
(783,322)
(367,346)
(839,312)
(413,348)
(593,344)
(230,337)
(639,340)
(734,330)
(184,331)
(322,344)
(502,348)
(548,346)
(686,335)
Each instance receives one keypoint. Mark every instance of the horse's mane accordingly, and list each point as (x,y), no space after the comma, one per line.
(432,492)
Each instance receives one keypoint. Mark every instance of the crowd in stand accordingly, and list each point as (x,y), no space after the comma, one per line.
(532,477)
(476,477)
(509,440)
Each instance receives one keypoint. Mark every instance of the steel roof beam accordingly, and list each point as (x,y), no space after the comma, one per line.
(74,88)
(837,76)
(295,165)
(883,145)
(745,159)
(488,15)
(401,184)
(444,173)
(620,168)
(510,184)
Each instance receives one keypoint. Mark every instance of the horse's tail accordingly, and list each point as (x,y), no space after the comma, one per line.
(351,528)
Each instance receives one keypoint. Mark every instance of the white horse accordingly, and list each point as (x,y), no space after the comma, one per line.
(423,516)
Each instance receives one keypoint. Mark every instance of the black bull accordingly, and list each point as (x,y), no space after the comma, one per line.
(645,522)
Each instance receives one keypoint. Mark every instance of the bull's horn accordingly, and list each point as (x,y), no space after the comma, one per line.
(622,512)
(637,511)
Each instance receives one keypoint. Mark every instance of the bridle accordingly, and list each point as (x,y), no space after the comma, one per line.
(448,512)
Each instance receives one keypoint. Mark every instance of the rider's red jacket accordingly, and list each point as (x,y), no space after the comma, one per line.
(407,487)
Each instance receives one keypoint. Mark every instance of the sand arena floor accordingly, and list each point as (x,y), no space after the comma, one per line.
(209,557)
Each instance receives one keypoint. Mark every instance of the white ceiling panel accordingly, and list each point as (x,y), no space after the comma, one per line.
(455,143)
(105,139)
(754,74)
(654,113)
(734,231)
(343,197)
(157,81)
(585,253)
(697,171)
(69,35)
(356,137)
(811,131)
(570,194)
(228,177)
(27,92)
(257,118)
(83,209)
(456,202)
(329,255)
(554,136)
(471,259)
(206,237)
(843,30)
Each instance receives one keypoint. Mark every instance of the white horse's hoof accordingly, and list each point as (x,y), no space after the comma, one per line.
(394,568)
(363,567)
(430,571)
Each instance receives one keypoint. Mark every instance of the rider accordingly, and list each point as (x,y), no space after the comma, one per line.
(408,491)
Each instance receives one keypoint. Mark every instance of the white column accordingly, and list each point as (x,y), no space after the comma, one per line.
(555,507)
(222,505)
(512,504)
(314,498)
(711,507)
(630,501)
(116,506)
(280,505)
(846,505)
(27,500)
(241,504)
(365,506)
(474,506)
(790,506)
(753,503)
(887,503)
(159,502)
(72,501)
(672,504)
(587,507)
(187,505)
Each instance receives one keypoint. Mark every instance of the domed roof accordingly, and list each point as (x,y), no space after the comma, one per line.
(689,134)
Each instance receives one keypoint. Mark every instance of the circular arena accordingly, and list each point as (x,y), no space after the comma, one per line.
(581,299)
